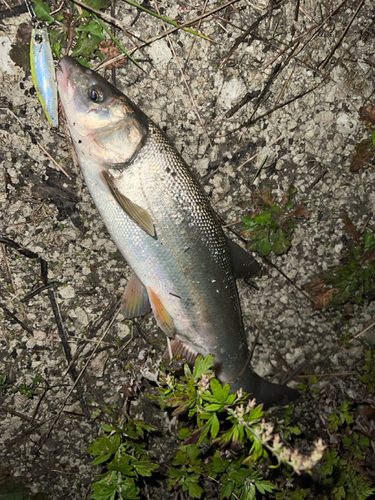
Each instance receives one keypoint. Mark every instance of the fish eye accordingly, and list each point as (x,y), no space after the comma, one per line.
(38,38)
(96,94)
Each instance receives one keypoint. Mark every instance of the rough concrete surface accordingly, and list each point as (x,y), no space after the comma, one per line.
(309,141)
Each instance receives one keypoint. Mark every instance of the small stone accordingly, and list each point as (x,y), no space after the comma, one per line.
(67,292)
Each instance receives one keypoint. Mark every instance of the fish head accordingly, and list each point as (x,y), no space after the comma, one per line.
(102,121)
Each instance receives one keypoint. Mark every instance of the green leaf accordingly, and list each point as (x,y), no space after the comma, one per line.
(249,223)
(95,4)
(124,464)
(218,464)
(263,219)
(110,428)
(214,407)
(215,426)
(221,393)
(42,11)
(129,490)
(187,371)
(281,244)
(195,491)
(166,19)
(265,486)
(13,491)
(193,452)
(203,365)
(104,448)
(294,430)
(276,209)
(104,27)
(369,240)
(84,62)
(103,490)
(181,457)
(227,490)
(373,136)
(264,246)
(289,204)
(144,467)
(86,46)
(93,28)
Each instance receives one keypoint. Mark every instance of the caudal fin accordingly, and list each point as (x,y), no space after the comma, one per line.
(264,391)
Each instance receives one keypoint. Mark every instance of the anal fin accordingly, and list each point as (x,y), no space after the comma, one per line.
(178,347)
(135,300)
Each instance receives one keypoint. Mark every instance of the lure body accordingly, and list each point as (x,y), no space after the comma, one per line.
(43,73)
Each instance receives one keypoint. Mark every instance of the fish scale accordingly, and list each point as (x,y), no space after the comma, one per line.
(163,224)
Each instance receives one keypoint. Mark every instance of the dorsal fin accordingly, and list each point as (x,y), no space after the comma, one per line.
(244,264)
(135,300)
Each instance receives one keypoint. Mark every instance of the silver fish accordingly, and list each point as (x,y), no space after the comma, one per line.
(163,224)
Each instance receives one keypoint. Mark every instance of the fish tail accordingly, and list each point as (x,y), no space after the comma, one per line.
(263,391)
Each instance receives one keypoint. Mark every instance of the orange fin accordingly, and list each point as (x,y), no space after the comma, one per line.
(163,319)
(135,301)
(179,347)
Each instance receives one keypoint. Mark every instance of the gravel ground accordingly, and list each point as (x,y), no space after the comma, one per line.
(302,117)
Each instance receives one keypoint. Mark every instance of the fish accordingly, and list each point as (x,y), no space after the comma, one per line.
(185,268)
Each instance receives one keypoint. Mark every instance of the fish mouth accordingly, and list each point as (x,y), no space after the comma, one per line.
(62,75)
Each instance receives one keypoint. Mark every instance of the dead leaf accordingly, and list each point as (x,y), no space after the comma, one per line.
(263,198)
(110,50)
(301,211)
(363,156)
(368,412)
(288,195)
(367,115)
(314,286)
(371,256)
(350,228)
(324,298)
(126,390)
(24,33)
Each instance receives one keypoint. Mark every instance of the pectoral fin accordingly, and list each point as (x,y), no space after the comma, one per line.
(135,301)
(163,319)
(244,265)
(137,213)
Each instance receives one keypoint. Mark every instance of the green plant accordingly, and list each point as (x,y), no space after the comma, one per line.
(3,384)
(341,416)
(221,420)
(272,226)
(354,280)
(217,421)
(343,470)
(369,368)
(29,390)
(343,479)
(123,449)
(88,33)
(364,154)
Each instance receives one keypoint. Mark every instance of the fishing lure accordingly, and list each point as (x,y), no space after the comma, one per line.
(43,68)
